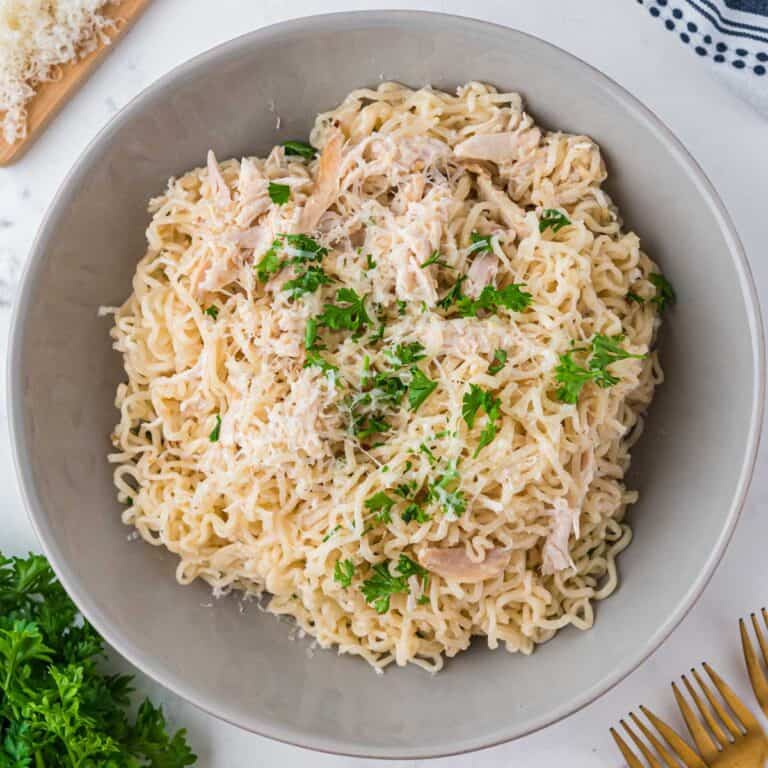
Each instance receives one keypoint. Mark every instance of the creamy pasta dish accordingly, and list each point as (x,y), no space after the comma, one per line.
(388,380)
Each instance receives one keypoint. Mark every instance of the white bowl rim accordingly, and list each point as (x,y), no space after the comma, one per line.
(15,384)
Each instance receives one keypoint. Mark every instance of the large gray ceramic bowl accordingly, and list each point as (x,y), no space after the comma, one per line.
(692,465)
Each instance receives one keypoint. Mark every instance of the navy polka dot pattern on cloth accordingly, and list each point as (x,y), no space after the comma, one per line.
(729,33)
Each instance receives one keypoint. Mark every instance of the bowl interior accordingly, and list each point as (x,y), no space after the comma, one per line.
(691,466)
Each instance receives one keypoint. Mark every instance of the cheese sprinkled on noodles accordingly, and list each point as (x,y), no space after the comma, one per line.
(255,469)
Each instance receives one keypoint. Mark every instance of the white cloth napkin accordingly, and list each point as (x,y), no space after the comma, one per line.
(730,37)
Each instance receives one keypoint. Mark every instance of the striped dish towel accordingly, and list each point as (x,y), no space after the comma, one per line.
(731,36)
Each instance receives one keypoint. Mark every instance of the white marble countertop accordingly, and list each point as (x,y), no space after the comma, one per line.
(726,136)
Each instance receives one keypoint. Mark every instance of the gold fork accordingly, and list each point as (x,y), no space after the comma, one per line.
(723,740)
(756,674)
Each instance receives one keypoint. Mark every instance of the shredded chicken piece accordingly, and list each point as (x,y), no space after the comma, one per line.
(453,563)
(327,184)
(509,211)
(413,282)
(498,148)
(218,184)
(556,555)
(481,273)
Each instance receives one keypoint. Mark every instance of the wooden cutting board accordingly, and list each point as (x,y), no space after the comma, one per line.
(51,96)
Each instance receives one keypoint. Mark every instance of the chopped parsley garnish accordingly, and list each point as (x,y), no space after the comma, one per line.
(476,399)
(454,294)
(212,312)
(420,388)
(315,359)
(379,588)
(343,572)
(424,448)
(270,264)
(370,263)
(310,335)
(300,149)
(279,194)
(386,389)
(381,505)
(404,490)
(480,243)
(331,532)
(306,282)
(368,425)
(214,436)
(631,296)
(349,314)
(436,258)
(414,512)
(553,219)
(377,335)
(444,491)
(665,293)
(300,248)
(602,352)
(401,307)
(490,299)
(499,361)
(406,354)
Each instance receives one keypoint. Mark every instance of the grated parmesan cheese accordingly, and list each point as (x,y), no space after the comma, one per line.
(36,38)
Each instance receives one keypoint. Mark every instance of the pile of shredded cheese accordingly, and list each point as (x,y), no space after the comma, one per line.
(36,37)
(274,450)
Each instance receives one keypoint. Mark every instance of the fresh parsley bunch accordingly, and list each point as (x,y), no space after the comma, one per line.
(57,708)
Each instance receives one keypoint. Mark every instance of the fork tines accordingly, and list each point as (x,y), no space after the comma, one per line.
(715,729)
(658,756)
(756,673)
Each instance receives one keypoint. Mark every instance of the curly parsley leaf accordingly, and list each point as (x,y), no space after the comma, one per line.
(212,311)
(445,492)
(300,149)
(344,572)
(420,388)
(149,737)
(381,506)
(490,299)
(306,282)
(298,248)
(379,588)
(473,401)
(602,352)
(454,295)
(553,219)
(214,436)
(414,512)
(347,314)
(406,354)
(368,425)
(315,359)
(279,194)
(572,377)
(665,293)
(269,265)
(310,335)
(499,361)
(56,707)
